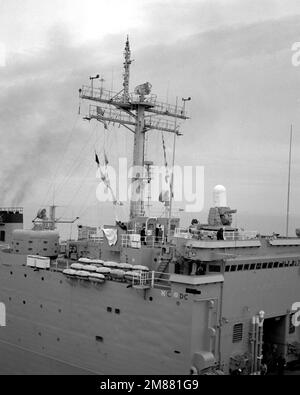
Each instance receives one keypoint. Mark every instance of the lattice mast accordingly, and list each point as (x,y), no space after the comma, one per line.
(126,75)
(139,112)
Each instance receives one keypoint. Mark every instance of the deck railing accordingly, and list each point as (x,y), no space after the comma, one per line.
(241,235)
(12,209)
(96,240)
(138,241)
(207,235)
(150,279)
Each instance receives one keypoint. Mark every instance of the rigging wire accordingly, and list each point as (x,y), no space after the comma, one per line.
(77,162)
(84,207)
(167,176)
(59,165)
(113,140)
(82,181)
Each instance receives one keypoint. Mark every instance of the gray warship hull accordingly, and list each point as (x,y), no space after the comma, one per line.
(57,325)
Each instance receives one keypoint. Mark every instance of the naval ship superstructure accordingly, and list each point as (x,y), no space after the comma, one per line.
(149,297)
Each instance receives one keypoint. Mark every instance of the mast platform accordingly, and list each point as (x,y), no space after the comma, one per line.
(116,99)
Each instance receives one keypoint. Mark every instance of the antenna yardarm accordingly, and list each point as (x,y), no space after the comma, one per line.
(139,112)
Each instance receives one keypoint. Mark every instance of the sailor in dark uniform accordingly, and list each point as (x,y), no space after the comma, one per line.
(220,234)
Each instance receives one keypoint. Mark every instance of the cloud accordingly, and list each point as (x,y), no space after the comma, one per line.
(2,55)
(39,119)
(244,90)
(38,97)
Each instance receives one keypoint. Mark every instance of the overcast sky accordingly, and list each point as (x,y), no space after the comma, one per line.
(233,57)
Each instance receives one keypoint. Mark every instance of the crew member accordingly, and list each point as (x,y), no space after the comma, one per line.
(220,234)
(143,235)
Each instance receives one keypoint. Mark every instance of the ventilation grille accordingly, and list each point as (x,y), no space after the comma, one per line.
(237,333)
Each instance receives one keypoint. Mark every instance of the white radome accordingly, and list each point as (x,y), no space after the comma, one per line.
(219,196)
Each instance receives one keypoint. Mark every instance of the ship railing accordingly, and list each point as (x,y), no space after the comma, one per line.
(149,99)
(106,112)
(92,93)
(137,241)
(12,209)
(96,240)
(157,123)
(159,107)
(191,233)
(103,95)
(150,279)
(240,235)
(183,233)
(166,108)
